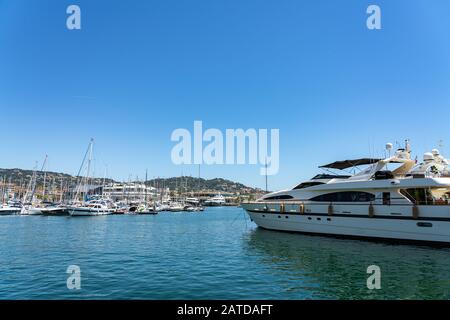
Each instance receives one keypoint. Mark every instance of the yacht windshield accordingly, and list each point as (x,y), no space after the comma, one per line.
(425,196)
(307,184)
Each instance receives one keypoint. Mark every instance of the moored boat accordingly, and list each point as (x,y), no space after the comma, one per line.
(147,209)
(176,206)
(55,211)
(31,210)
(10,208)
(93,208)
(216,201)
(410,202)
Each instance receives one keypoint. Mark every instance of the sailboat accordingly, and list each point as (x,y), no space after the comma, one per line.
(94,207)
(30,206)
(56,209)
(145,208)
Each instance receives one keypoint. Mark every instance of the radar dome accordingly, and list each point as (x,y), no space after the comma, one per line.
(435,152)
(427,156)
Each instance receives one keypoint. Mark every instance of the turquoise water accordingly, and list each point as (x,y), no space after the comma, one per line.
(217,254)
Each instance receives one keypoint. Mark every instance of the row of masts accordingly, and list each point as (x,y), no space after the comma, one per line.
(27,192)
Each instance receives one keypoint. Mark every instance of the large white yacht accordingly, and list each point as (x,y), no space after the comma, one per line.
(216,201)
(390,198)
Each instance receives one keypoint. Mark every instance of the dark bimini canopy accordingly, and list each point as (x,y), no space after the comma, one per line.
(350,163)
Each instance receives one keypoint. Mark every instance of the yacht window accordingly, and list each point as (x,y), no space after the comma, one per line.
(345,196)
(424,196)
(307,184)
(383,175)
(424,224)
(281,197)
(387,198)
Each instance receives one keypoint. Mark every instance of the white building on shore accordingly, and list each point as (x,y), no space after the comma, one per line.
(129,192)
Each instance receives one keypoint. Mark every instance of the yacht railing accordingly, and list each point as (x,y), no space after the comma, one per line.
(307,202)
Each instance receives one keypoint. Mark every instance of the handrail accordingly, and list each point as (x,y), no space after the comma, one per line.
(325,203)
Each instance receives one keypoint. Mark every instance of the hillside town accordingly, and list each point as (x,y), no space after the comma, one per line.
(43,191)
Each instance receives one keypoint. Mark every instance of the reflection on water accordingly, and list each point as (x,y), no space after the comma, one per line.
(329,268)
(217,254)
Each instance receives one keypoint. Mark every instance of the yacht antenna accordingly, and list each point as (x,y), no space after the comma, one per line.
(389,147)
(441,146)
(266,174)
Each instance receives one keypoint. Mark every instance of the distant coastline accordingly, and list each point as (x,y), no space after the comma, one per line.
(17,180)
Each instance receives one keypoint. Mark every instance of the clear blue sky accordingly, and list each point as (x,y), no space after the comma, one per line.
(139,69)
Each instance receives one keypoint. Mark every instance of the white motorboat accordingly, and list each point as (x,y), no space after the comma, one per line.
(7,211)
(147,209)
(193,205)
(164,207)
(410,202)
(55,210)
(120,207)
(176,206)
(30,209)
(92,208)
(193,208)
(10,208)
(192,201)
(215,201)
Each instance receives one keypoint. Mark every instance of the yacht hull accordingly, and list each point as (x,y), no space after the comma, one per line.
(9,211)
(55,212)
(405,228)
(214,204)
(87,212)
(147,212)
(31,211)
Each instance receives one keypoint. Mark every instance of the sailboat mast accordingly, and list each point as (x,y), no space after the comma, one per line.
(104,179)
(62,191)
(2,190)
(33,183)
(145,186)
(91,146)
(83,179)
(45,177)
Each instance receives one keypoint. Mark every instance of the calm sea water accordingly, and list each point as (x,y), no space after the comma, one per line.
(217,254)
